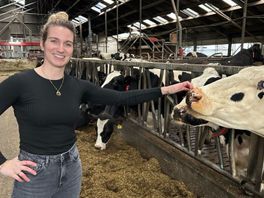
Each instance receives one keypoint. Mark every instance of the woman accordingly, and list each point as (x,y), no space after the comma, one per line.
(46,107)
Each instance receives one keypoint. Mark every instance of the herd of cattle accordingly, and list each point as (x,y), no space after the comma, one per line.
(233,102)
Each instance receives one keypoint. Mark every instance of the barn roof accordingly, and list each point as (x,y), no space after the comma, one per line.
(211,20)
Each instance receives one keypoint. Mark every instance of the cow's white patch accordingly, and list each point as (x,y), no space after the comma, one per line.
(208,72)
(100,127)
(110,77)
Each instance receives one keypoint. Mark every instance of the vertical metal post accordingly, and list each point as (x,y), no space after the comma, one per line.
(178,25)
(195,45)
(140,21)
(89,36)
(117,24)
(106,31)
(81,39)
(97,43)
(162,49)
(244,24)
(229,50)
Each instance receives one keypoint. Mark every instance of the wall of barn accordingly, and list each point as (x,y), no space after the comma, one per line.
(16,28)
(112,44)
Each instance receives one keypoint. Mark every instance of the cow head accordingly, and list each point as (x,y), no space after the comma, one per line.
(232,102)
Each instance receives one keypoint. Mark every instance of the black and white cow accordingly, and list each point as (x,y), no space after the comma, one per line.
(195,54)
(112,114)
(247,57)
(115,56)
(105,126)
(232,102)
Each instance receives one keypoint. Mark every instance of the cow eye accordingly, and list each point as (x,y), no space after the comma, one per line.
(260,95)
(237,97)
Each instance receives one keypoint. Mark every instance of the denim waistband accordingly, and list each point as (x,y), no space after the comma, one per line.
(71,153)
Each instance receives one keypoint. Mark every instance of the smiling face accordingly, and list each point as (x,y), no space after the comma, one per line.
(58,47)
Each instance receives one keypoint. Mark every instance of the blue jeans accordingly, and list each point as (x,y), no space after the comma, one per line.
(58,176)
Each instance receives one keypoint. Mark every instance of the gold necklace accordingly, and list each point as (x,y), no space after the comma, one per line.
(58,93)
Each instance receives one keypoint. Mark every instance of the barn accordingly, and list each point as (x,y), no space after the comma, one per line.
(205,142)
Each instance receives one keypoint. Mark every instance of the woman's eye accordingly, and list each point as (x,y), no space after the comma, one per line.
(68,44)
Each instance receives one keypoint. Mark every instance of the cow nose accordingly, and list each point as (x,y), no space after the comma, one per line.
(192,96)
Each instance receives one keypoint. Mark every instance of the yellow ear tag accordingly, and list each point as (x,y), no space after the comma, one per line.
(119,126)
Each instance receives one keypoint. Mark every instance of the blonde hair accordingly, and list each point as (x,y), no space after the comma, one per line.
(57,19)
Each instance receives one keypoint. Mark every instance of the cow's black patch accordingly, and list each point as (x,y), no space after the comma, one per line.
(260,85)
(211,80)
(237,97)
(260,95)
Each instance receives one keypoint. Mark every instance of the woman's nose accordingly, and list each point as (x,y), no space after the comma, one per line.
(60,47)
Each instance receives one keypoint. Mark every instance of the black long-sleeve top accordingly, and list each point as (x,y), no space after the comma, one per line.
(47,121)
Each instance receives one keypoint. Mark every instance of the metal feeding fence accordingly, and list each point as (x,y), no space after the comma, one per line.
(190,140)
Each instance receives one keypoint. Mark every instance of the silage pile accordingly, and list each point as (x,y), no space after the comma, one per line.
(120,171)
(10,65)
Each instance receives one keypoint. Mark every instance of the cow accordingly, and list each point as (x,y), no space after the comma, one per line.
(247,57)
(238,96)
(115,56)
(105,126)
(233,102)
(112,114)
(195,54)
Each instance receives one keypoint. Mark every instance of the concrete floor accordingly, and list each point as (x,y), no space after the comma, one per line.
(8,146)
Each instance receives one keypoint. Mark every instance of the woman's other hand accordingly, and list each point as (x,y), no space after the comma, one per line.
(16,169)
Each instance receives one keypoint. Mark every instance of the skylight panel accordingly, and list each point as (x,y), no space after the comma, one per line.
(160,20)
(190,12)
(230,2)
(149,22)
(211,6)
(108,1)
(137,24)
(96,9)
(75,22)
(82,19)
(100,5)
(20,2)
(205,8)
(123,1)
(172,15)
(132,27)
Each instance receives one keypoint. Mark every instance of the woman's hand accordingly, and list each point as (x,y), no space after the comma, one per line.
(171,89)
(15,169)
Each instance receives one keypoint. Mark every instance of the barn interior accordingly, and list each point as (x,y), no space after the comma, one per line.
(162,33)
(199,23)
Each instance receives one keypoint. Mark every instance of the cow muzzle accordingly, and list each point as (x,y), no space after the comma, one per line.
(197,101)
(182,116)
(193,96)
